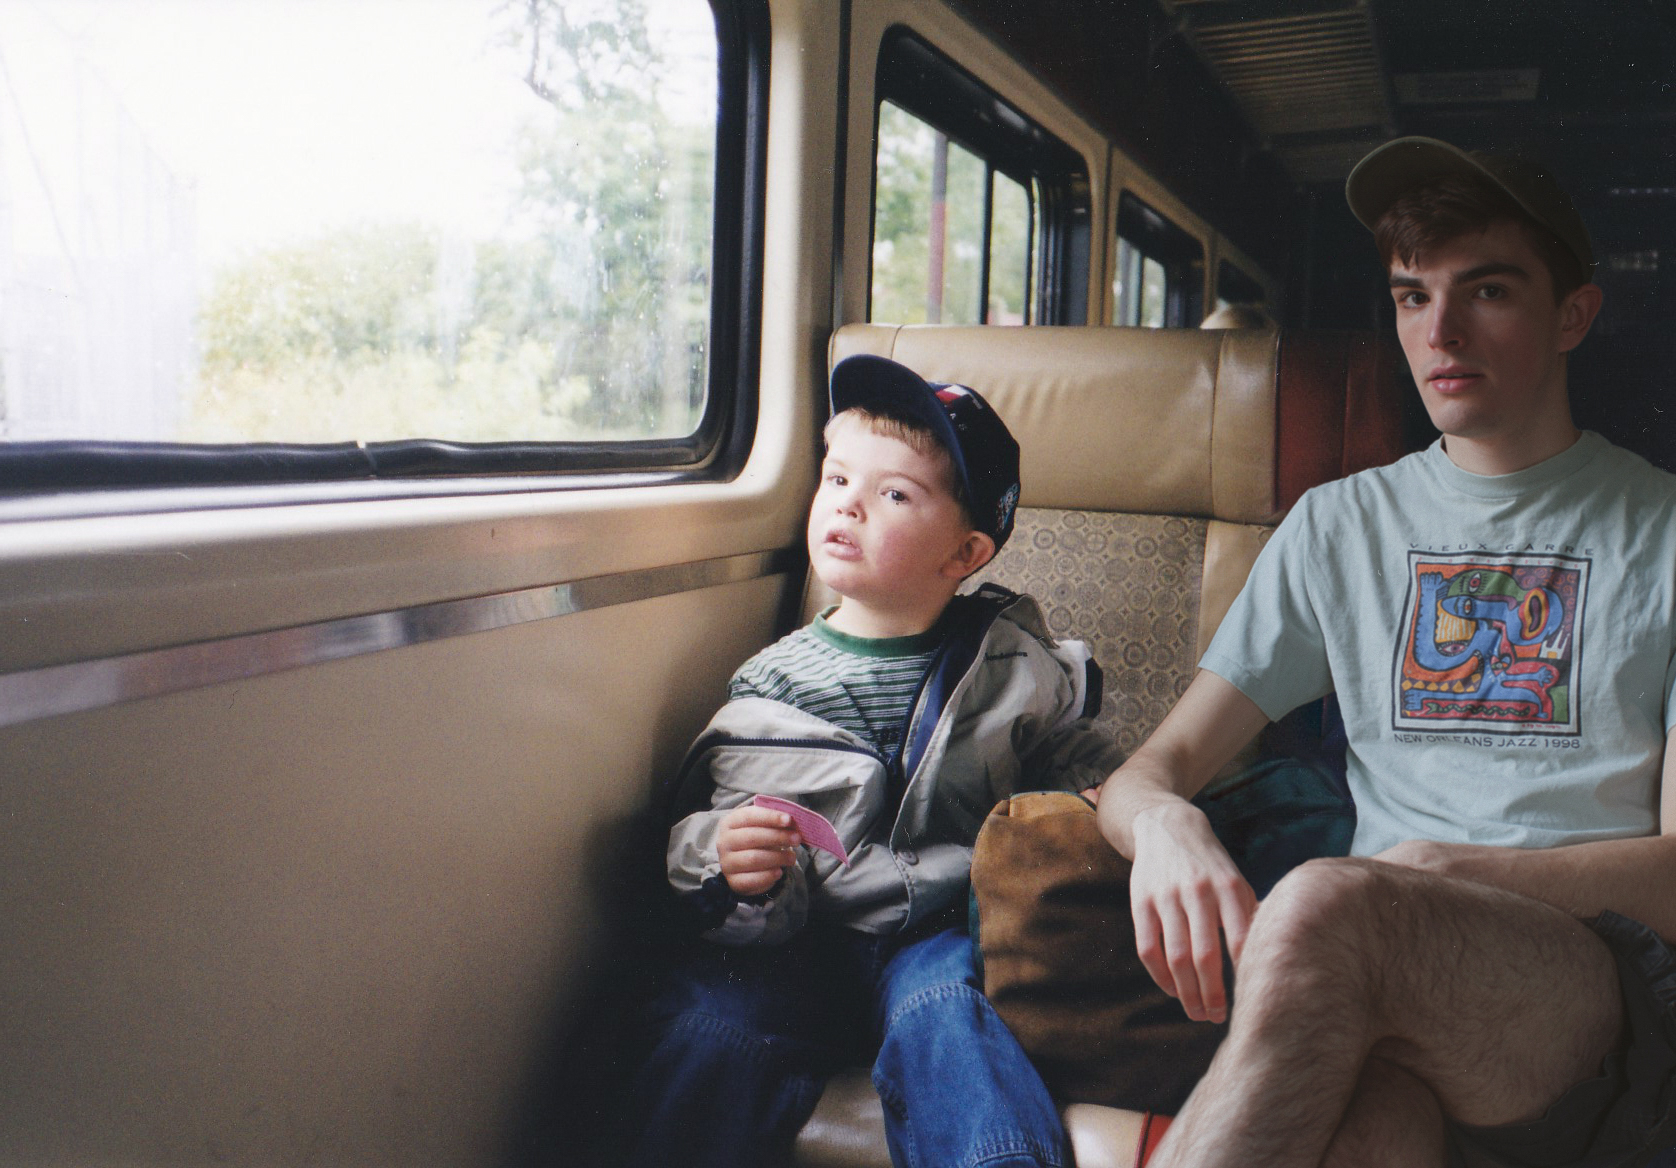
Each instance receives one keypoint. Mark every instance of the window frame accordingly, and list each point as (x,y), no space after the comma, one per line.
(926,84)
(156,473)
(1182,255)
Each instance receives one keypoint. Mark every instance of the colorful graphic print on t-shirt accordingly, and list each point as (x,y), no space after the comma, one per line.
(1489,643)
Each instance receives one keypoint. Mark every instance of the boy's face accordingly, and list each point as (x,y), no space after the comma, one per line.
(1483,336)
(885,529)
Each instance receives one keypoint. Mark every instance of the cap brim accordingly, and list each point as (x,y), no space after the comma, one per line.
(865,378)
(1405,163)
(1401,165)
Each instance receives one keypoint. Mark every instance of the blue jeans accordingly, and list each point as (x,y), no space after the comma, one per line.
(744,1040)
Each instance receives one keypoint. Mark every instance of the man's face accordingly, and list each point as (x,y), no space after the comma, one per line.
(1483,336)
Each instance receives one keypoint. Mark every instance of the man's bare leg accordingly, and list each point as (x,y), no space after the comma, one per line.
(1393,1122)
(1495,1002)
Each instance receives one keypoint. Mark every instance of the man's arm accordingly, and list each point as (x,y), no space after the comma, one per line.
(1634,877)
(1185,890)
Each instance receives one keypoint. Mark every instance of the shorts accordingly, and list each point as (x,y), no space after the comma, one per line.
(1623,1117)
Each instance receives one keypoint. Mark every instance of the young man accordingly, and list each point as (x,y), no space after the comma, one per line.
(902,715)
(1497,616)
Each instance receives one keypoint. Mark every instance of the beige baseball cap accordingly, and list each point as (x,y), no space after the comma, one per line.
(1404,163)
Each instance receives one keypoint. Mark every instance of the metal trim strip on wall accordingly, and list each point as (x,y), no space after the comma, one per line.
(79,686)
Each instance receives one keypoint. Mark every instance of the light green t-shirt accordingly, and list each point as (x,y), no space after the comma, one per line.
(1503,647)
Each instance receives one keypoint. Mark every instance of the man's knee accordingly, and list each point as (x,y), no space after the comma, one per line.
(1316,939)
(1328,904)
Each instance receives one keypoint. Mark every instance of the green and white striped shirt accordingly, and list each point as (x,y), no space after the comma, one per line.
(864,684)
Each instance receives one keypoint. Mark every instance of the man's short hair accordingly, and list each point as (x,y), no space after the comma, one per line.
(1415,193)
(1450,206)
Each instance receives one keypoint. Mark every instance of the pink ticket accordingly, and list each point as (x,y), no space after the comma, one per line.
(817,829)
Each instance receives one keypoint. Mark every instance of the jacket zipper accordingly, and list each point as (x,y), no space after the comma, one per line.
(815,743)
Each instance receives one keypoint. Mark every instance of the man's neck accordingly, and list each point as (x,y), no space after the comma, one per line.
(1500,455)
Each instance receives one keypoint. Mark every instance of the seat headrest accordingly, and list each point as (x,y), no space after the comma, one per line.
(1230,425)
(1165,421)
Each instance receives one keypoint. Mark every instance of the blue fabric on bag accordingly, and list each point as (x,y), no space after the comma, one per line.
(1273,816)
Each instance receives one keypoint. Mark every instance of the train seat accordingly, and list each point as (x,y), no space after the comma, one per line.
(1155,462)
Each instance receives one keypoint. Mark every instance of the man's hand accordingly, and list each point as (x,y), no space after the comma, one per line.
(754,845)
(1184,889)
(1185,893)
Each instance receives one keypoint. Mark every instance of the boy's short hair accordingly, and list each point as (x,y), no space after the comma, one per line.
(1414,193)
(891,422)
(982,453)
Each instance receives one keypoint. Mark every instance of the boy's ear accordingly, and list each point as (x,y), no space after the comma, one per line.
(976,550)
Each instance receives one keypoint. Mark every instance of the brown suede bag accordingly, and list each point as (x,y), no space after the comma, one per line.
(1052,926)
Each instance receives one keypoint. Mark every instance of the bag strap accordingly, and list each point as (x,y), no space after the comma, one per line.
(968,619)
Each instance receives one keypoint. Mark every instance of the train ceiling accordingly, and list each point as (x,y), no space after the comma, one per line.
(1588,84)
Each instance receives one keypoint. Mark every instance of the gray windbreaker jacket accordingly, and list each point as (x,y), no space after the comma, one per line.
(1003,709)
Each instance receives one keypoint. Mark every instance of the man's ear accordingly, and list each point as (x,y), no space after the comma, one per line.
(1577,312)
(976,550)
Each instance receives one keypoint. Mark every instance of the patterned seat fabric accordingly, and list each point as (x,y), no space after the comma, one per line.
(1128,585)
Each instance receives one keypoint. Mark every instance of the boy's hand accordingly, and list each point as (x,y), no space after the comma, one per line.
(754,845)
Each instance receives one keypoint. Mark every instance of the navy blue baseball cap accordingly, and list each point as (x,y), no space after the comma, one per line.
(983,450)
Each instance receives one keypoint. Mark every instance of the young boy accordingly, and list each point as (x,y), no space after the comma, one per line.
(902,715)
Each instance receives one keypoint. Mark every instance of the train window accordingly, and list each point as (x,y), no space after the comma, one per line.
(283,240)
(1160,270)
(979,215)
(1140,288)
(951,235)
